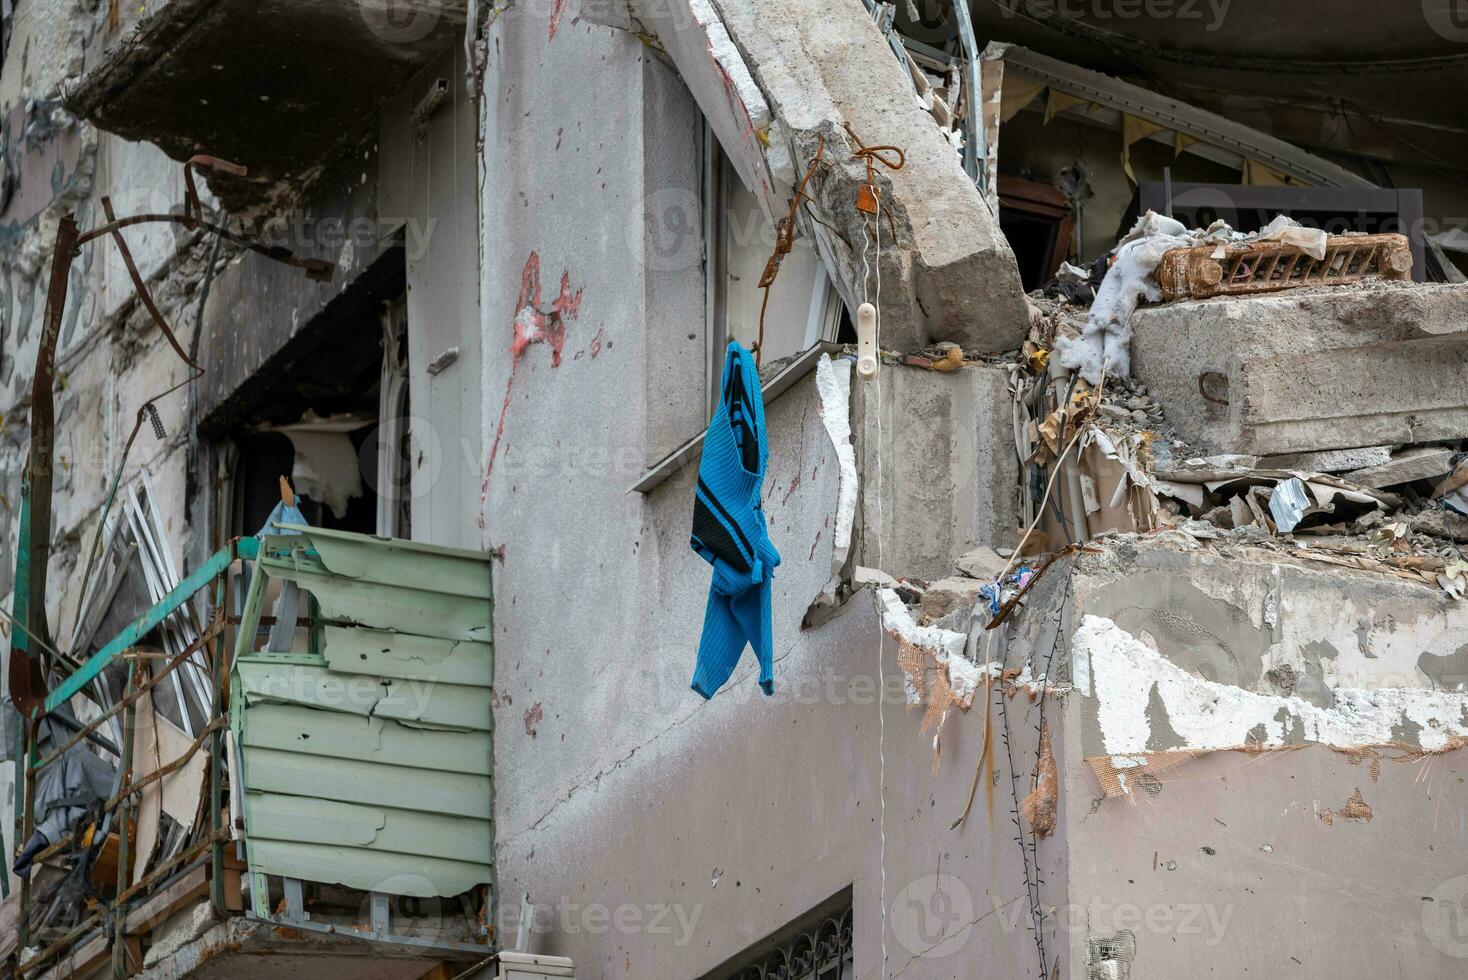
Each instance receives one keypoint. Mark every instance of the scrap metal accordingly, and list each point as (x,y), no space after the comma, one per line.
(1201,271)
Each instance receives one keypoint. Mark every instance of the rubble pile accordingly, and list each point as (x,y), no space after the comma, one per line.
(1099,460)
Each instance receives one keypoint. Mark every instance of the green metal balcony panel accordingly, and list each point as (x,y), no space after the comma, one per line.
(370,764)
(333,735)
(400,608)
(415,701)
(301,820)
(355,867)
(402,655)
(394,561)
(349,781)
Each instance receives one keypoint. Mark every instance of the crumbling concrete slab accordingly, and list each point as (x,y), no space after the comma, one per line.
(947,272)
(1417,463)
(714,71)
(984,564)
(1297,373)
(1328,460)
(184,77)
(1268,623)
(1233,785)
(1402,392)
(948,471)
(950,594)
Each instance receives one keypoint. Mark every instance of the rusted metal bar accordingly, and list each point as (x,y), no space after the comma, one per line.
(317,269)
(119,911)
(1201,271)
(148,881)
(141,288)
(172,665)
(26,679)
(28,827)
(163,772)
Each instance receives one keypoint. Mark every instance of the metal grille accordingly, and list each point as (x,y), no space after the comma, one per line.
(822,952)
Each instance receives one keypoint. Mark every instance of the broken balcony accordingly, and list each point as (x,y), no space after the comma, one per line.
(281,88)
(317,789)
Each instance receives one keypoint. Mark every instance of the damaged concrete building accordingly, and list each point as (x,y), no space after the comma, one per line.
(357,362)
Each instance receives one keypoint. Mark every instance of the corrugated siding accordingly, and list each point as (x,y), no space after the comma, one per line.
(371,766)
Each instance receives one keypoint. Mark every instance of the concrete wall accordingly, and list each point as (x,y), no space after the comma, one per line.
(110,357)
(1242,864)
(616,786)
(1266,859)
(949,477)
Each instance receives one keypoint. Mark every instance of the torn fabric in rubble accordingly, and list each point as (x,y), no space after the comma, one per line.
(729,531)
(1105,342)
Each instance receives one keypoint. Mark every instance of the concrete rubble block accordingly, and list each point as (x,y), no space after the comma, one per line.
(950,595)
(874,577)
(1403,392)
(1326,461)
(1441,523)
(984,564)
(948,472)
(1416,463)
(947,271)
(1304,372)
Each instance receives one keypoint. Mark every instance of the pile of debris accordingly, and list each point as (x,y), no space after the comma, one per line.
(1099,459)
(1160,259)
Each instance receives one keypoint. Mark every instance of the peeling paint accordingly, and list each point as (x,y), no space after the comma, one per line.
(1356,808)
(558,10)
(833,382)
(532,325)
(1204,715)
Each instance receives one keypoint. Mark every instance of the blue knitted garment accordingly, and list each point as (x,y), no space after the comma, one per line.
(729,531)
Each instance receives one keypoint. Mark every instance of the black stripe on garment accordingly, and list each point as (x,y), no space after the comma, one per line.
(743,419)
(710,531)
(724,513)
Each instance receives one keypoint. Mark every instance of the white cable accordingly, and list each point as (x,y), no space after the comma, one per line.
(881,663)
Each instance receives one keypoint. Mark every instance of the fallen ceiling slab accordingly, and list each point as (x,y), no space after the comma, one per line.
(279,86)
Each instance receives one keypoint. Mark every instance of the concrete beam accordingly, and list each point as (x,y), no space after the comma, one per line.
(947,272)
(1302,372)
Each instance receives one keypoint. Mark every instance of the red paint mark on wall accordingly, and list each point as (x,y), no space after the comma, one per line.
(558,10)
(532,718)
(532,325)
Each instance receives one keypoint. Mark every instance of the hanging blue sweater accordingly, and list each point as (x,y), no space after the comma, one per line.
(729,531)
